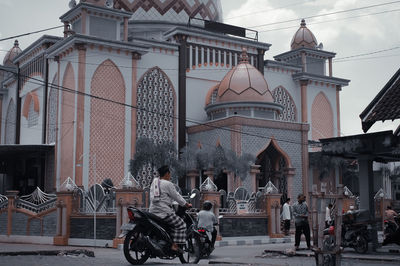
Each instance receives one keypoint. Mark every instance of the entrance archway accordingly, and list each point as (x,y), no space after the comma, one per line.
(274,165)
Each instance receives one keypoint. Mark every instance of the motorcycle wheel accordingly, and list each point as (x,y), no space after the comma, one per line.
(191,251)
(134,248)
(361,245)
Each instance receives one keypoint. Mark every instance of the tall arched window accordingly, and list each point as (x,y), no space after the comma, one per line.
(155,114)
(289,112)
(155,102)
(107,124)
(321,118)
(10,123)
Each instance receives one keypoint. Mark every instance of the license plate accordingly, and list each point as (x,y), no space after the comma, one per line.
(125,228)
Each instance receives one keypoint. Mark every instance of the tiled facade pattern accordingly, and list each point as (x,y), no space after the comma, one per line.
(3,222)
(282,96)
(10,123)
(107,125)
(43,226)
(321,118)
(52,116)
(172,10)
(67,125)
(288,140)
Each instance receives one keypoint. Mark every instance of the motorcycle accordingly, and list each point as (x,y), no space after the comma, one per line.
(390,227)
(392,232)
(206,246)
(146,236)
(354,235)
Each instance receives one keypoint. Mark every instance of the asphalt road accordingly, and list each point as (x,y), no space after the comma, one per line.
(231,255)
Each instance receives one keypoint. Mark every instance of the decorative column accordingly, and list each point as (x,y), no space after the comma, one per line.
(304,107)
(191,177)
(12,196)
(124,198)
(338,89)
(330,66)
(254,170)
(80,116)
(273,202)
(64,210)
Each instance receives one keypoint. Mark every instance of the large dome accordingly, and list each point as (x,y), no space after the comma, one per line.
(303,38)
(244,83)
(243,91)
(175,11)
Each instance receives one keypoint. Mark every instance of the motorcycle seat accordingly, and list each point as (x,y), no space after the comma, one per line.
(158,220)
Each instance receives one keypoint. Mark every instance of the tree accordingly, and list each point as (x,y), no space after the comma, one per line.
(154,154)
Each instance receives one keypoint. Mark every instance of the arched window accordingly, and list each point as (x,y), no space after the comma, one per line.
(321,118)
(155,102)
(155,114)
(33,116)
(289,112)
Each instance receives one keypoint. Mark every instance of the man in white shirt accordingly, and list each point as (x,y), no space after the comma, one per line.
(286,216)
(162,194)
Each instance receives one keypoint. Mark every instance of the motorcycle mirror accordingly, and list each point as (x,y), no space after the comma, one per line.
(193,195)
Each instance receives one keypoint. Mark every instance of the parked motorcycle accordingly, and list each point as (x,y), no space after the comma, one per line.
(355,232)
(392,232)
(390,227)
(146,236)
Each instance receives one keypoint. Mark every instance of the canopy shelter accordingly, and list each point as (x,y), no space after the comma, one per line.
(385,105)
(25,167)
(366,148)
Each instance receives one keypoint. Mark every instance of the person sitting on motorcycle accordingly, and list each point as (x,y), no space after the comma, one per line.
(207,220)
(390,214)
(162,195)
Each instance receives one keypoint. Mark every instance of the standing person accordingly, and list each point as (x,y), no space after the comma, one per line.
(328,217)
(162,194)
(300,213)
(206,219)
(286,216)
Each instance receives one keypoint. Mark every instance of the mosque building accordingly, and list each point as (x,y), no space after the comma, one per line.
(169,71)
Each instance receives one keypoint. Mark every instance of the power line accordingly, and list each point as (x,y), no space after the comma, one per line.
(325,14)
(332,20)
(62,88)
(29,33)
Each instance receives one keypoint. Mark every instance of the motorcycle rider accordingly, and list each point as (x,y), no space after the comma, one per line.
(162,194)
(207,220)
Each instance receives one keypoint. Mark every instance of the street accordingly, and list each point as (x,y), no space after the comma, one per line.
(233,255)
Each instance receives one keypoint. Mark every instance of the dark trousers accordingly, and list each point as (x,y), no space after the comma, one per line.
(286,225)
(302,228)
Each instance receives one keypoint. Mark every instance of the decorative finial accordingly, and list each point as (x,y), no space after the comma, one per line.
(244,58)
(16,44)
(303,23)
(72,4)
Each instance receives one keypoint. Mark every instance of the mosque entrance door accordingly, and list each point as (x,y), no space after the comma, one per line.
(273,166)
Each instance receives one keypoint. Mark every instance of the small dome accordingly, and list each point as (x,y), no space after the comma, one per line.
(8,59)
(244,83)
(303,38)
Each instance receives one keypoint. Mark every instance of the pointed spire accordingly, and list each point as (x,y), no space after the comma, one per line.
(303,23)
(244,58)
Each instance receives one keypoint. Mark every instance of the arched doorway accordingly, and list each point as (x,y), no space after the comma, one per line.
(274,164)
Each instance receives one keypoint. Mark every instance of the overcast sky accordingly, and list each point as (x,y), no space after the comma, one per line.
(347,33)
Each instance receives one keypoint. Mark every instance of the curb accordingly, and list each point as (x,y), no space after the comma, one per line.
(248,242)
(74,252)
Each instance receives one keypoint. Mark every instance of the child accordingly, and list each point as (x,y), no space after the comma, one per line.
(207,220)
